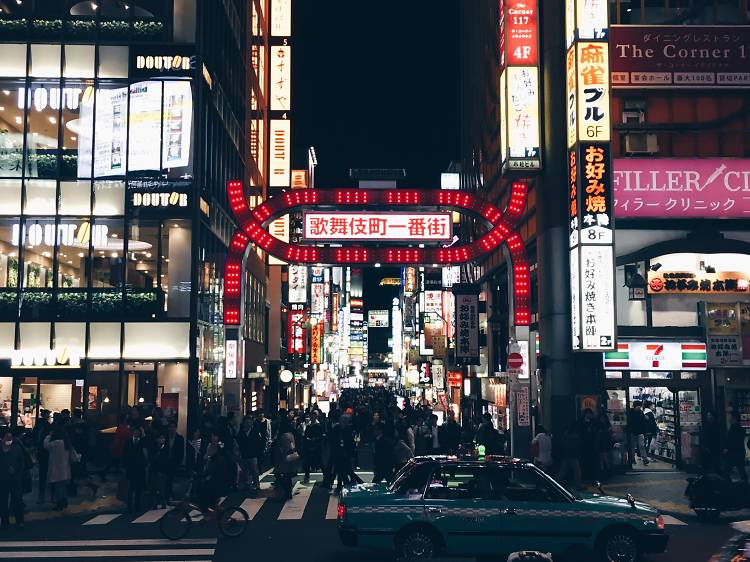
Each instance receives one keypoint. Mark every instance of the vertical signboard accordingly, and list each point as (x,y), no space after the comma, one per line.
(280,229)
(281,18)
(297,283)
(467,323)
(316,344)
(281,78)
(297,330)
(230,359)
(589,185)
(519,84)
(280,153)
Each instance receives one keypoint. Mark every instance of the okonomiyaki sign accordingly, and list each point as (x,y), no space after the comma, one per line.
(682,188)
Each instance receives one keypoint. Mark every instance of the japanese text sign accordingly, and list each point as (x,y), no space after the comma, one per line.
(281,78)
(280,158)
(297,283)
(297,329)
(593,91)
(316,344)
(682,188)
(669,56)
(467,325)
(597,298)
(363,226)
(523,117)
(521,32)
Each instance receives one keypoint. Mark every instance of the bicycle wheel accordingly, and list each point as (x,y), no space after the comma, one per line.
(175,524)
(233,521)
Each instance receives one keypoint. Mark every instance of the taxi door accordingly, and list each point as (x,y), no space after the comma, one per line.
(458,503)
(534,514)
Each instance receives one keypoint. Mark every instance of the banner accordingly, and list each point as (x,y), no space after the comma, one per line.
(316,344)
(467,323)
(297,283)
(668,56)
(681,188)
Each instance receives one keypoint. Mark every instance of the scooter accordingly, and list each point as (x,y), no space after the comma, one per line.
(710,494)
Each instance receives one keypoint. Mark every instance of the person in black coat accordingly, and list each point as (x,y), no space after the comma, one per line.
(159,468)
(251,441)
(176,453)
(135,461)
(735,450)
(383,454)
(711,444)
(312,445)
(450,434)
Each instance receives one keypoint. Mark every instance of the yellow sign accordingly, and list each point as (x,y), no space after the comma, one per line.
(394,281)
(593,91)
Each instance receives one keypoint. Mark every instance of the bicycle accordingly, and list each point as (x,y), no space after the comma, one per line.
(175,524)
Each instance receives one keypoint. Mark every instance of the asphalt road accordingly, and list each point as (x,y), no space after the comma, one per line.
(303,529)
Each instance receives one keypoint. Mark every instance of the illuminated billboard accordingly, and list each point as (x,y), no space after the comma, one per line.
(369,226)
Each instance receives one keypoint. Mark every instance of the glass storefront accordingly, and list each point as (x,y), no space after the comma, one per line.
(674,397)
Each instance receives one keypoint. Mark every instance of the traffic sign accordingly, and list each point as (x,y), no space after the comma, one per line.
(515,361)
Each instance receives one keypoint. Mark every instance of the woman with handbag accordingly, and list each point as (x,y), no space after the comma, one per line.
(286,459)
(61,455)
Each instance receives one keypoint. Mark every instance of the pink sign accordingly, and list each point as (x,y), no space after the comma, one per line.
(682,188)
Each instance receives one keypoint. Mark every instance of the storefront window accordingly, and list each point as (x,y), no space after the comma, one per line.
(8,254)
(43,100)
(72,257)
(11,128)
(6,396)
(172,392)
(109,198)
(107,257)
(103,395)
(38,237)
(110,132)
(41,197)
(77,129)
(13,62)
(655,375)
(27,402)
(75,197)
(690,426)
(79,61)
(59,395)
(176,266)
(113,61)
(10,194)
(143,250)
(45,61)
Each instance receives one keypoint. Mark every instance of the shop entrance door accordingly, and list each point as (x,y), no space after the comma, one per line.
(662,445)
(57,395)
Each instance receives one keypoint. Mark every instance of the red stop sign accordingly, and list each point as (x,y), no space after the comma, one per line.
(515,361)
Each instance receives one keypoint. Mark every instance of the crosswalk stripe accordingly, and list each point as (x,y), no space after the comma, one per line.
(252,506)
(295,507)
(333,507)
(151,516)
(669,520)
(105,542)
(103,519)
(108,553)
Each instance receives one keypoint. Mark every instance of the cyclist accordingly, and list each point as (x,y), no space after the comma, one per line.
(214,482)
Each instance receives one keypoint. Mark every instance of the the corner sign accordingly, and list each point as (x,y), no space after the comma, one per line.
(656,356)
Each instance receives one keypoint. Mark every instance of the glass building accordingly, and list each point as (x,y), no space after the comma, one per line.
(120,124)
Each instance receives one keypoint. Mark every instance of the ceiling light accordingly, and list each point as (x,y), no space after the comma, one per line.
(18,120)
(80,254)
(2,108)
(114,235)
(70,261)
(52,120)
(6,92)
(73,138)
(114,254)
(148,254)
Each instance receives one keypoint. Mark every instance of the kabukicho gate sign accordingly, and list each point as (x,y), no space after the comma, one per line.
(348,217)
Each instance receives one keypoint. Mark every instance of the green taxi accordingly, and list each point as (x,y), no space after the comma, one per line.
(458,507)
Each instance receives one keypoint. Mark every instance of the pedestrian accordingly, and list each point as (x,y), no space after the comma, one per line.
(61,455)
(382,454)
(122,435)
(450,434)
(312,446)
(214,482)
(264,427)
(711,444)
(541,449)
(158,469)
(135,463)
(571,457)
(41,429)
(402,453)
(83,441)
(286,459)
(735,448)
(637,428)
(650,428)
(12,465)
(176,454)
(589,431)
(251,443)
(605,443)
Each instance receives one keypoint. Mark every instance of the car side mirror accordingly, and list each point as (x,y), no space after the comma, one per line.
(413,494)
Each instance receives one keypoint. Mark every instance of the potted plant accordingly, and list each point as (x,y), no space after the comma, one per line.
(47,28)
(35,305)
(80,28)
(13,27)
(71,304)
(114,28)
(106,303)
(8,304)
(141,304)
(148,29)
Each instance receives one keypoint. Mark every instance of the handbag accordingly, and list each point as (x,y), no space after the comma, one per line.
(123,489)
(292,457)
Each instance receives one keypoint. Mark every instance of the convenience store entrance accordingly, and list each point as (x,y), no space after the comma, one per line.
(676,405)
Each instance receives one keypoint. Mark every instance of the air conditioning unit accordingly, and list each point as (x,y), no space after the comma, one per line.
(641,143)
(633,116)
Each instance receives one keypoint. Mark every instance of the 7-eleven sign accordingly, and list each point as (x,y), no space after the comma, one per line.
(656,356)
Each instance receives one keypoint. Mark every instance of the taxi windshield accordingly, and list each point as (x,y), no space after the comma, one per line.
(412,476)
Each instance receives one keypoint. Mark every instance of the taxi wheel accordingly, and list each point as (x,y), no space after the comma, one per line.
(417,543)
(618,545)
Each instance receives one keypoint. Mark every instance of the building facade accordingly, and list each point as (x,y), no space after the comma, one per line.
(120,124)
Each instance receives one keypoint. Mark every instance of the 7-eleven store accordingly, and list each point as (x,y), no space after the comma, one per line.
(672,376)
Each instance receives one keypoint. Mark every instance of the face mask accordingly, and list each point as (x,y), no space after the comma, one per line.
(8,442)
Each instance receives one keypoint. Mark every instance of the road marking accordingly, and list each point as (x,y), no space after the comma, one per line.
(104,542)
(252,506)
(107,553)
(669,520)
(103,519)
(151,516)
(295,507)
(333,507)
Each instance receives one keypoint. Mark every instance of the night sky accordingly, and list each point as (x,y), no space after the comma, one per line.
(375,85)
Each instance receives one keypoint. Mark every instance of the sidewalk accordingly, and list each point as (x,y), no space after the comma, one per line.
(664,490)
(82,503)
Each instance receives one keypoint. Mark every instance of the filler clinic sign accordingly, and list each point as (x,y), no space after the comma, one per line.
(518,40)
(682,188)
(669,56)
(362,226)
(589,185)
